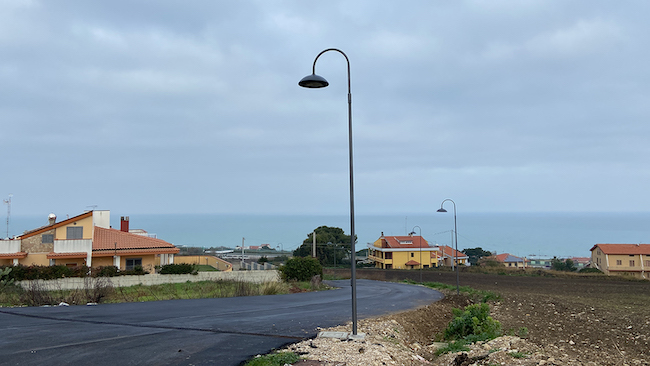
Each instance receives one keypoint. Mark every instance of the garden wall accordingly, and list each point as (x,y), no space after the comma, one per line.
(157,279)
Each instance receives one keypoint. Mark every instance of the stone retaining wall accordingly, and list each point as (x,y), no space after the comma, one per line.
(156,279)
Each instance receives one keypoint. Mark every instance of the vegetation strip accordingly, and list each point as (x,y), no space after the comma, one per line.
(153,326)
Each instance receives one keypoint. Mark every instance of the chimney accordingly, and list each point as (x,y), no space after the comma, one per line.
(51,218)
(124,224)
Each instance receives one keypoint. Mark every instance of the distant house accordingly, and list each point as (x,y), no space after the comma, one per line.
(622,259)
(510,260)
(538,262)
(86,239)
(259,247)
(402,252)
(449,255)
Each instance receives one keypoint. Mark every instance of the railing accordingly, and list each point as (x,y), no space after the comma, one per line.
(73,246)
(9,246)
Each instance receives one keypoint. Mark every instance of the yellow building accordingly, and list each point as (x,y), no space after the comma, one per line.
(403,252)
(86,239)
(622,259)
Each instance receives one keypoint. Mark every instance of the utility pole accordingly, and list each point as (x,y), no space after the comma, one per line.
(313,247)
(8,202)
(242,253)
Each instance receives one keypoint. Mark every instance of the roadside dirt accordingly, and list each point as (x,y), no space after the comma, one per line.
(563,321)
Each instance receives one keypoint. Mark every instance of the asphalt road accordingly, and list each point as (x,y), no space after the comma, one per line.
(190,332)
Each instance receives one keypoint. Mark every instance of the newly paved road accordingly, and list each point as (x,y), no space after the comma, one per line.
(189,332)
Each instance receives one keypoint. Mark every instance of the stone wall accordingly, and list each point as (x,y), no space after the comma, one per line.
(158,279)
(33,244)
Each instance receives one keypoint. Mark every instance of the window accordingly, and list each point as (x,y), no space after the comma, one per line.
(631,263)
(412,254)
(619,262)
(389,255)
(647,263)
(74,232)
(131,263)
(47,239)
(389,266)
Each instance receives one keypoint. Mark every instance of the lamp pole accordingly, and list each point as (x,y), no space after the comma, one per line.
(315,81)
(420,242)
(456,242)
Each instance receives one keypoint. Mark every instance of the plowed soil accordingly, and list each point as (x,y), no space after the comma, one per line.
(593,320)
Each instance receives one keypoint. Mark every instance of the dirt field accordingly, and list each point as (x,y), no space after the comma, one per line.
(601,321)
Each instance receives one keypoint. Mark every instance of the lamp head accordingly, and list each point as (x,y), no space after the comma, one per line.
(442,210)
(313,81)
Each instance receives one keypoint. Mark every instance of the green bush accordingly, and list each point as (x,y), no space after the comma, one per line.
(301,269)
(136,271)
(590,270)
(21,272)
(106,271)
(181,268)
(473,324)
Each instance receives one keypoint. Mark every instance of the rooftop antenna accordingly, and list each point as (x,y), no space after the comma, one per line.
(8,202)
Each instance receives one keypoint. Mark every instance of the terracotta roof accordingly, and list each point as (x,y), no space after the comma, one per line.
(53,255)
(451,252)
(406,242)
(623,248)
(508,258)
(13,255)
(111,239)
(42,229)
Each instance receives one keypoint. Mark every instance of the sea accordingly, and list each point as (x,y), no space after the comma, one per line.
(522,234)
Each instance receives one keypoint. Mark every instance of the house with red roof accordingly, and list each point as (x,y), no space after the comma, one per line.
(403,252)
(449,256)
(622,259)
(510,260)
(87,239)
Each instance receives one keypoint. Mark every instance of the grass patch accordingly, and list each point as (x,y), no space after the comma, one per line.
(274,359)
(205,268)
(97,291)
(519,354)
(453,347)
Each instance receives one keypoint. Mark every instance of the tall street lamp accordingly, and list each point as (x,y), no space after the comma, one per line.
(315,81)
(420,242)
(456,236)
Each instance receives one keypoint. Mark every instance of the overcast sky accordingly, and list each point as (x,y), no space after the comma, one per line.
(194,106)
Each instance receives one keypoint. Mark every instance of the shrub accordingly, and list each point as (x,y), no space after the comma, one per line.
(5,280)
(473,324)
(301,269)
(181,268)
(21,272)
(106,271)
(590,270)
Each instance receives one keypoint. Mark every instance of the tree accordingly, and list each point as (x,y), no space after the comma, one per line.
(263,259)
(301,269)
(475,254)
(560,265)
(332,245)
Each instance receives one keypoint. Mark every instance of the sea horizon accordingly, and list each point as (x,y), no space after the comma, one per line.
(544,234)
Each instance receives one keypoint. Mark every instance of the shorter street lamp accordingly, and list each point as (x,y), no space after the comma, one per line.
(456,236)
(420,242)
